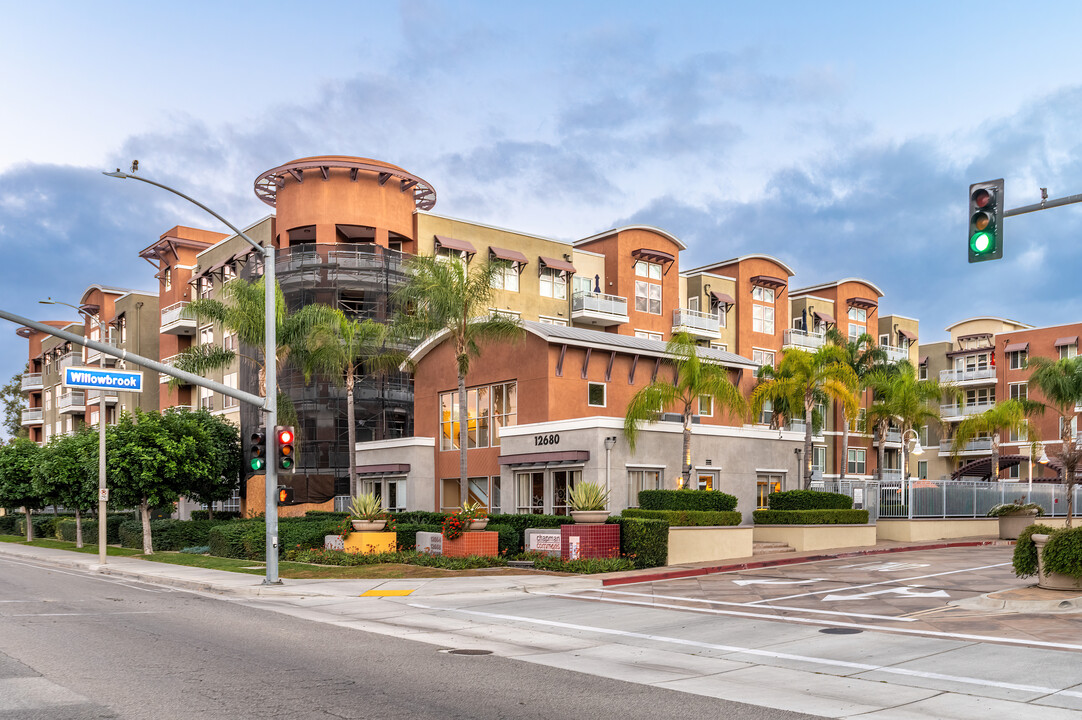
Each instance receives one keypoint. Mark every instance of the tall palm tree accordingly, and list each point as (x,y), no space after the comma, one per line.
(1004,416)
(863,356)
(809,377)
(909,401)
(693,379)
(446,296)
(1060,382)
(342,348)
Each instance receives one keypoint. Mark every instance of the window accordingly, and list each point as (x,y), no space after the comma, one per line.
(206,286)
(860,315)
(488,408)
(647,335)
(596,394)
(980,396)
(552,321)
(505,277)
(856,465)
(206,398)
(229,342)
(859,424)
(230,381)
(122,329)
(764,485)
(229,272)
(706,406)
(638,480)
(766,415)
(720,346)
(531,492)
(647,297)
(819,459)
(1018,391)
(855,331)
(762,315)
(1019,359)
(168,278)
(922,469)
(449,255)
(922,372)
(392,492)
(922,435)
(206,335)
(883,339)
(1074,428)
(723,316)
(1068,351)
(762,357)
(648,270)
(553,283)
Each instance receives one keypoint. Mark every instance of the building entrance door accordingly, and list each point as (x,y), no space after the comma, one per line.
(545,491)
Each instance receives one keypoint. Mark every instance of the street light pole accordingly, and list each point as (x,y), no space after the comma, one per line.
(270,359)
(102,491)
(917,450)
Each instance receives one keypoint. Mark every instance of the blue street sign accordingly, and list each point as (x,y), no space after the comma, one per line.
(99,379)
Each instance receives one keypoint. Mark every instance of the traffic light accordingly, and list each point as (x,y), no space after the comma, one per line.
(284,438)
(257,451)
(986,221)
(285,495)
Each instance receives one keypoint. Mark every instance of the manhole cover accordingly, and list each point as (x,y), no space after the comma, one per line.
(840,631)
(467,652)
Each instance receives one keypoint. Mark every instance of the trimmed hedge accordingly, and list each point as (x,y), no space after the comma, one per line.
(168,534)
(218,515)
(247,539)
(688,518)
(65,528)
(810,517)
(406,537)
(521,521)
(686,500)
(808,500)
(7,525)
(419,517)
(507,539)
(44,525)
(644,541)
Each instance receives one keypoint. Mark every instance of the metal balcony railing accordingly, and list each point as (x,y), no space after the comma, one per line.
(951,410)
(31,416)
(696,322)
(956,376)
(32,381)
(802,339)
(72,359)
(93,356)
(895,354)
(174,322)
(71,401)
(598,306)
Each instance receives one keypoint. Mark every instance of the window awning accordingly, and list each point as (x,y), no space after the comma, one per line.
(1016,347)
(721,298)
(652,255)
(768,281)
(387,469)
(862,302)
(825,317)
(549,458)
(561,265)
(509,255)
(923,360)
(908,335)
(442,241)
(1065,341)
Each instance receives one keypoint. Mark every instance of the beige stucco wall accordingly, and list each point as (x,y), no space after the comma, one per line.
(817,537)
(706,544)
(926,529)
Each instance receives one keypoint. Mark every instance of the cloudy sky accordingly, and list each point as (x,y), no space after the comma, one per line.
(840,137)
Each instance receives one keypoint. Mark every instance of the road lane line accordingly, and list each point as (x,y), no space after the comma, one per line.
(90,614)
(88,576)
(758,652)
(737,604)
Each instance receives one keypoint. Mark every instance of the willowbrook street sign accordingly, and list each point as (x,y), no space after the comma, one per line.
(98,379)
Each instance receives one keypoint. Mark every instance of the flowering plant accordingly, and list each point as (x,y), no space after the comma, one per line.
(456,523)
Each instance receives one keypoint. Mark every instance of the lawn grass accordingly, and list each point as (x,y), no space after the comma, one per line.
(63,545)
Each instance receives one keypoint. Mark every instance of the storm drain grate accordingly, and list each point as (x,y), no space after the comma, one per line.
(467,652)
(840,631)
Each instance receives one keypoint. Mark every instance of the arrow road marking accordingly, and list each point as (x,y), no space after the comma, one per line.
(903,591)
(777,582)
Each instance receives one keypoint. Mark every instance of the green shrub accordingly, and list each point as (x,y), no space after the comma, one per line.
(1005,509)
(645,541)
(305,535)
(8,525)
(218,515)
(406,537)
(338,557)
(419,517)
(325,515)
(686,500)
(808,500)
(238,539)
(1063,552)
(810,517)
(168,534)
(583,566)
(508,538)
(44,526)
(688,518)
(1025,551)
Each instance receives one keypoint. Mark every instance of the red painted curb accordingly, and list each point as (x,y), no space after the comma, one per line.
(695,572)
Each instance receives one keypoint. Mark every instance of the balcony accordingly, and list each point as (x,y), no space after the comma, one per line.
(111,397)
(977,445)
(975,376)
(93,357)
(32,381)
(895,354)
(173,322)
(957,412)
(32,416)
(801,427)
(697,324)
(802,339)
(893,437)
(598,309)
(72,359)
(71,402)
(162,377)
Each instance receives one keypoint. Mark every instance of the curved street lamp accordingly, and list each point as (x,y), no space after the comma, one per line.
(916,450)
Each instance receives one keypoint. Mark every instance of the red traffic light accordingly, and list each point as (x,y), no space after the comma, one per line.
(982,197)
(285,436)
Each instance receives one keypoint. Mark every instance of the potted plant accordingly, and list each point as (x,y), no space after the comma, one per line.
(366,513)
(1054,556)
(1014,517)
(588,502)
(471,516)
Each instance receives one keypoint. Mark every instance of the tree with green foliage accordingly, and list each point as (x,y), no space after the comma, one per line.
(864,357)
(219,441)
(694,379)
(67,474)
(1006,416)
(343,348)
(17,462)
(905,399)
(13,402)
(805,379)
(446,298)
(1060,383)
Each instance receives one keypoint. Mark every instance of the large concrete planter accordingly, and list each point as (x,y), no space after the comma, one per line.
(1011,526)
(709,544)
(1051,580)
(803,538)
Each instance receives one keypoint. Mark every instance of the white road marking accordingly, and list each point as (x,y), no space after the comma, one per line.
(777,582)
(758,652)
(88,576)
(89,614)
(903,591)
(881,582)
(883,566)
(736,604)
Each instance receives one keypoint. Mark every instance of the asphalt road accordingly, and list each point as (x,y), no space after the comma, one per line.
(74,645)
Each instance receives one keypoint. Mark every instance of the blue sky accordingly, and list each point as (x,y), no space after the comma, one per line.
(840,137)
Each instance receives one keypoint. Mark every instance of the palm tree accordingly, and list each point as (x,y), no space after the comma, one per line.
(342,348)
(1004,416)
(905,399)
(863,356)
(694,379)
(445,296)
(1060,382)
(804,379)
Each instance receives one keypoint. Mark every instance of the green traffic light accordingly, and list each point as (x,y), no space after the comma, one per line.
(982,242)
(286,463)
(257,463)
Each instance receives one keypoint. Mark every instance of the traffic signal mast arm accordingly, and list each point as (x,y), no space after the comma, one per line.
(1044,205)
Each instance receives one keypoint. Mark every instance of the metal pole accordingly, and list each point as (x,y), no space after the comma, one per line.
(101,450)
(1043,205)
